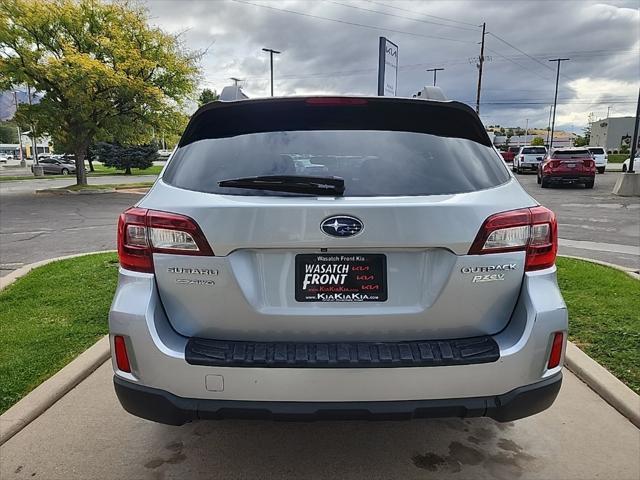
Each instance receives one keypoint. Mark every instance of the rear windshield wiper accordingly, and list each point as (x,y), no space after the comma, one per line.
(332,186)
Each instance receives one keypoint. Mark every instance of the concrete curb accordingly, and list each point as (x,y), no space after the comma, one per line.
(598,378)
(63,191)
(601,381)
(629,271)
(22,271)
(49,392)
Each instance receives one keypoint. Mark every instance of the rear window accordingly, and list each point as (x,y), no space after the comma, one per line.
(597,151)
(534,150)
(571,154)
(371,162)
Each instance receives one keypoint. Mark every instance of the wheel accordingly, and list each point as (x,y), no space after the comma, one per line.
(624,167)
(544,183)
(589,184)
(64,171)
(538,179)
(601,169)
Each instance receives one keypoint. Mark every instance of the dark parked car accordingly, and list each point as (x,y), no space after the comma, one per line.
(510,154)
(56,166)
(568,165)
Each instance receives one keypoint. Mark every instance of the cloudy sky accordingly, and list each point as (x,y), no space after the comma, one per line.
(602,39)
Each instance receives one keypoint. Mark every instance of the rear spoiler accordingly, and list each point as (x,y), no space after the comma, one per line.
(229,119)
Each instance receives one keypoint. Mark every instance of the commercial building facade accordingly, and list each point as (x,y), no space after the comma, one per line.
(612,133)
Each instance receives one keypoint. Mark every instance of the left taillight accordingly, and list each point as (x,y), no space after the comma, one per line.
(142,232)
(533,230)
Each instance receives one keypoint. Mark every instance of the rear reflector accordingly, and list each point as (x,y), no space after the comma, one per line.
(142,232)
(556,350)
(122,359)
(533,230)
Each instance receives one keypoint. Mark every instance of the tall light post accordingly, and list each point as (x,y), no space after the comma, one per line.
(634,140)
(526,132)
(271,52)
(23,163)
(435,71)
(555,98)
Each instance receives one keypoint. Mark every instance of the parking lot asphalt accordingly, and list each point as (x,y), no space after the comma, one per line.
(593,223)
(87,435)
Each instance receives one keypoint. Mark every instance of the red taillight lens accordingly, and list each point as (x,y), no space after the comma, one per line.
(556,350)
(142,232)
(329,101)
(533,230)
(122,359)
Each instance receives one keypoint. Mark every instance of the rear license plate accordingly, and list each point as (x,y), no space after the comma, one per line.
(571,165)
(339,277)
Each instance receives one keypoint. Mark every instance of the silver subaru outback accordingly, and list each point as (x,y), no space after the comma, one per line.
(336,257)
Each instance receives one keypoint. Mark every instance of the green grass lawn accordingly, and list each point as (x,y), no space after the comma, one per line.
(604,316)
(617,157)
(49,317)
(59,310)
(99,171)
(107,186)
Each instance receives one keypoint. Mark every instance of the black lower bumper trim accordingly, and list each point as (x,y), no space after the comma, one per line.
(426,353)
(164,407)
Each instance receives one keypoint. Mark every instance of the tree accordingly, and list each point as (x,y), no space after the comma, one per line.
(207,96)
(509,133)
(125,157)
(104,73)
(8,132)
(537,141)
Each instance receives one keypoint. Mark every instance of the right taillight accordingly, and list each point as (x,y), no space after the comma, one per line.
(142,232)
(533,230)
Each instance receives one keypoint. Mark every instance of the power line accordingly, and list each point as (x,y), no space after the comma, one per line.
(399,16)
(422,14)
(354,24)
(535,72)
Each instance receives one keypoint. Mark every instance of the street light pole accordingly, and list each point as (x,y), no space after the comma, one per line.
(555,98)
(34,137)
(271,52)
(480,63)
(526,132)
(435,71)
(634,144)
(23,163)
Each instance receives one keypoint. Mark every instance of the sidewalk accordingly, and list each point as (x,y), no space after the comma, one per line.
(88,435)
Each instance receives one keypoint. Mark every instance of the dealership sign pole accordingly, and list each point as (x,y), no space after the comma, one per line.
(387,68)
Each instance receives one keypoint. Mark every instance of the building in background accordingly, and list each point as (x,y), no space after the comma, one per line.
(612,133)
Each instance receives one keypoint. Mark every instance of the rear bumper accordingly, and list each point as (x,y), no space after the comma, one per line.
(164,407)
(570,177)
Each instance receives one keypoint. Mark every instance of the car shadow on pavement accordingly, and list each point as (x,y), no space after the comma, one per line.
(248,449)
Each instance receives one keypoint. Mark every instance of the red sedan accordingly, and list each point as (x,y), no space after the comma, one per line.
(567,165)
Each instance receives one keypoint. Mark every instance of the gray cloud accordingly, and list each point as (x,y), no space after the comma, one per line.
(319,56)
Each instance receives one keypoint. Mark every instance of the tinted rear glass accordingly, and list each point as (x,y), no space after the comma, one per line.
(597,151)
(536,150)
(571,154)
(372,162)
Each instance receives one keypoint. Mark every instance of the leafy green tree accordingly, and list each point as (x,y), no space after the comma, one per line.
(104,73)
(207,96)
(537,141)
(125,157)
(509,133)
(8,132)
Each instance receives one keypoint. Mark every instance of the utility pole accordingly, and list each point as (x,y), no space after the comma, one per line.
(555,98)
(608,110)
(526,132)
(435,71)
(271,52)
(480,62)
(22,161)
(634,144)
(549,124)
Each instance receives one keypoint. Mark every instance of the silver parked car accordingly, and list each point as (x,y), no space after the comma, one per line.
(413,277)
(56,166)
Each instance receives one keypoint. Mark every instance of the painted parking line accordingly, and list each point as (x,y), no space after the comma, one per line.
(601,247)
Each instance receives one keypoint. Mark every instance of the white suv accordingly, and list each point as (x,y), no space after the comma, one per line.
(599,154)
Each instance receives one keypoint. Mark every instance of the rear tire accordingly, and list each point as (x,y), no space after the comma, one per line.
(601,169)
(589,184)
(624,167)
(538,179)
(64,171)
(544,183)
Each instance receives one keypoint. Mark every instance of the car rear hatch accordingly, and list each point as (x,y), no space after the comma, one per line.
(532,155)
(572,162)
(387,260)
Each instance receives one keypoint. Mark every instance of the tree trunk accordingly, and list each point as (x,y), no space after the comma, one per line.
(90,164)
(127,171)
(81,174)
